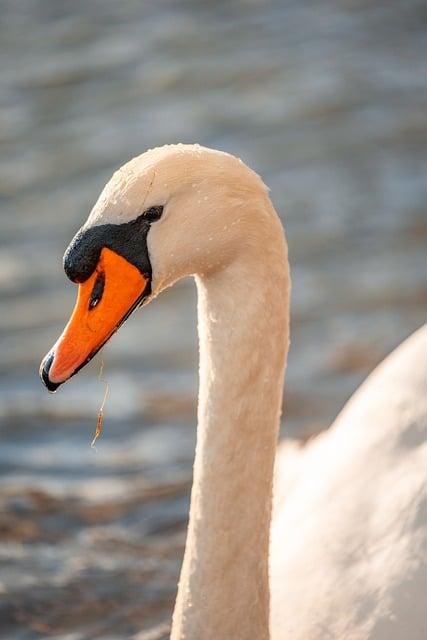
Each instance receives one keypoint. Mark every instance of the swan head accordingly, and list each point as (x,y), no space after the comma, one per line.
(172,212)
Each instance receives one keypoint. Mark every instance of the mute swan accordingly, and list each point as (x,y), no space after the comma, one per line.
(349,537)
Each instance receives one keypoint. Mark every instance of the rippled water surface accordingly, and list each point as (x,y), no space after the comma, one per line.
(328,101)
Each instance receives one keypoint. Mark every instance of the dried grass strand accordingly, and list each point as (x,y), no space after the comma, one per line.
(98,428)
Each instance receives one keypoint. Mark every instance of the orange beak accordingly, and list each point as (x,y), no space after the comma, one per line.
(104,302)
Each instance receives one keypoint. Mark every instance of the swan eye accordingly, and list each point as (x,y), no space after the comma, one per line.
(97,291)
(153,213)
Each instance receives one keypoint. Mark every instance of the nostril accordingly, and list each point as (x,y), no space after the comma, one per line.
(97,291)
(44,372)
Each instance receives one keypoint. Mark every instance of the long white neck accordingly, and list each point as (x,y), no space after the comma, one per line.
(243,332)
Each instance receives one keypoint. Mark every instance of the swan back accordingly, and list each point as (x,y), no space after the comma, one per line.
(349,541)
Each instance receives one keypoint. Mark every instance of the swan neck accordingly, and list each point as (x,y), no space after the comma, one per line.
(243,339)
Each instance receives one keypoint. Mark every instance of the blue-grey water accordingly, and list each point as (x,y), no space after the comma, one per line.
(328,101)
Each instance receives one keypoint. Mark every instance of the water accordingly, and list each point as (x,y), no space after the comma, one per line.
(328,102)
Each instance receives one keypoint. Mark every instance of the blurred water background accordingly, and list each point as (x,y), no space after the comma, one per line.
(328,101)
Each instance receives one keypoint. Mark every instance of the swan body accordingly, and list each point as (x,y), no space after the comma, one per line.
(347,555)
(349,535)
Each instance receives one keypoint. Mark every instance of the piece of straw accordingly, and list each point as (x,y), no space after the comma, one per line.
(98,428)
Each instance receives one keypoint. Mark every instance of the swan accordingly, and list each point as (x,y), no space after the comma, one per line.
(347,558)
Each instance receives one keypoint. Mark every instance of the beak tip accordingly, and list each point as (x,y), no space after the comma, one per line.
(44,373)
